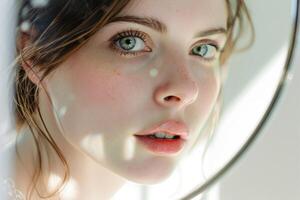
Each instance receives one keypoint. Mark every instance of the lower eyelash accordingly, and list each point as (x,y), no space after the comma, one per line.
(124,53)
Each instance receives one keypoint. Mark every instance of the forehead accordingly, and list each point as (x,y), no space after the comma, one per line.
(184,15)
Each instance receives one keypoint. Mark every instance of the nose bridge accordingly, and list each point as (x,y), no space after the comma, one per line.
(179,87)
(175,62)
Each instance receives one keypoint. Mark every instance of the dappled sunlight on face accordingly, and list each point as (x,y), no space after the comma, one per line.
(153,72)
(94,145)
(62,111)
(102,97)
(69,191)
(129,148)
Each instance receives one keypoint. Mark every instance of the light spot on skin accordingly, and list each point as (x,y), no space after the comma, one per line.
(153,72)
(62,111)
(69,190)
(53,182)
(25,26)
(94,145)
(39,3)
(129,148)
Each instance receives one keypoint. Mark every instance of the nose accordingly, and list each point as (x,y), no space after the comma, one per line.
(178,90)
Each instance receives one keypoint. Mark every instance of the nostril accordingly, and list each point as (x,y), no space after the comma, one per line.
(168,98)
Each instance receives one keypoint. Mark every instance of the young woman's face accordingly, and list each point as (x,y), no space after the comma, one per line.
(159,64)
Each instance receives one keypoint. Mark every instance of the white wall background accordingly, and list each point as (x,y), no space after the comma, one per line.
(7,49)
(270,170)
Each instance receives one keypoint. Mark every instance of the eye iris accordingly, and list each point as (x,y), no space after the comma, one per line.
(127,43)
(201,50)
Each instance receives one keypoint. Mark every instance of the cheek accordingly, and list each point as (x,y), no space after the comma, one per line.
(101,98)
(209,96)
(109,91)
(102,88)
(209,88)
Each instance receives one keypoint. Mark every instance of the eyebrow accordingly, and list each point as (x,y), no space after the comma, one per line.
(161,27)
(212,32)
(146,21)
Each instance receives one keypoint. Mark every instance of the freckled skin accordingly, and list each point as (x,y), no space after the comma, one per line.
(116,96)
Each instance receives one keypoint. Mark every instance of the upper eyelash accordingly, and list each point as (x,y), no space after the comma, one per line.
(215,45)
(208,42)
(131,33)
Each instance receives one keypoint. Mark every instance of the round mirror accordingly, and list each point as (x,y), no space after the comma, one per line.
(135,99)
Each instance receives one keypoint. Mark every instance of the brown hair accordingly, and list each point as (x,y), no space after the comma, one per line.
(58,30)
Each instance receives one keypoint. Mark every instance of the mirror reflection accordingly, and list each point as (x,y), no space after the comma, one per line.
(132,98)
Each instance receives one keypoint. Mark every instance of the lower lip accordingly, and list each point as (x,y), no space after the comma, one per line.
(157,145)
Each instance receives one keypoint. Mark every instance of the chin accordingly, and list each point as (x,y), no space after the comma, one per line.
(149,180)
(150,175)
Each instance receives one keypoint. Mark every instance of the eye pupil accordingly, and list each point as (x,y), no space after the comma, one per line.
(127,43)
(201,50)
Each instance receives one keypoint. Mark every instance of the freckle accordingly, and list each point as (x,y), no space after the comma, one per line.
(153,72)
(185,73)
(116,72)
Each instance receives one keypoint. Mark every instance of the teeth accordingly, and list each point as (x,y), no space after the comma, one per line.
(163,135)
(170,136)
(160,135)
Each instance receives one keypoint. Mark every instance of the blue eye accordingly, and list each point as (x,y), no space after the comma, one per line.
(130,44)
(207,51)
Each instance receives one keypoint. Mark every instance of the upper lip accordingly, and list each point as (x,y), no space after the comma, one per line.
(171,127)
